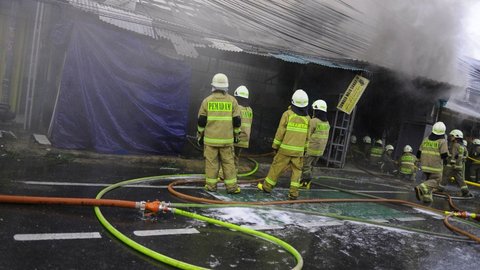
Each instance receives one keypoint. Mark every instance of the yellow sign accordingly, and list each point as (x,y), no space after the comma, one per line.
(353,94)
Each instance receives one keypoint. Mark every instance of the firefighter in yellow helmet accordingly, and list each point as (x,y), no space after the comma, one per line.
(455,164)
(218,128)
(433,155)
(408,164)
(290,143)
(246,113)
(318,131)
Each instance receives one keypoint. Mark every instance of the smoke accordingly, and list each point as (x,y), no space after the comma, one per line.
(421,38)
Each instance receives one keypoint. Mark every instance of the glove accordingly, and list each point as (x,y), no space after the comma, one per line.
(200,139)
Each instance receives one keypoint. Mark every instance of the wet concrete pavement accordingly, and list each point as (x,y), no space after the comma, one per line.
(397,237)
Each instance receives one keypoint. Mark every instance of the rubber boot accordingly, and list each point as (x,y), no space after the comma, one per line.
(261,188)
(236,191)
(420,191)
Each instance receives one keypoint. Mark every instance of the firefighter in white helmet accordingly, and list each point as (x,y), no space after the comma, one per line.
(318,132)
(375,155)
(433,155)
(367,146)
(408,164)
(389,165)
(456,161)
(354,153)
(290,144)
(473,162)
(242,95)
(218,128)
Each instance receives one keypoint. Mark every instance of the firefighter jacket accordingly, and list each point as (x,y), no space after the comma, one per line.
(431,155)
(407,163)
(292,134)
(246,114)
(318,137)
(376,153)
(366,149)
(220,109)
(456,158)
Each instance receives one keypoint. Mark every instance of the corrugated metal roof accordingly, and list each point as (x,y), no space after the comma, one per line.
(290,58)
(181,46)
(223,45)
(217,25)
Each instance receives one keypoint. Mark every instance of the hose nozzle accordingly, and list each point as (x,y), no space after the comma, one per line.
(464,214)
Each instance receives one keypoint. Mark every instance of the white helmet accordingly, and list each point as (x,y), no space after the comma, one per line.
(439,128)
(320,104)
(353,139)
(241,91)
(476,142)
(389,147)
(457,134)
(407,149)
(367,139)
(220,82)
(300,98)
(379,142)
(465,143)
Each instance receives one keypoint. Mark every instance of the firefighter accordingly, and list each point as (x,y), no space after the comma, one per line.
(375,155)
(455,166)
(318,131)
(389,165)
(408,164)
(289,143)
(219,124)
(367,145)
(246,114)
(473,162)
(433,155)
(355,154)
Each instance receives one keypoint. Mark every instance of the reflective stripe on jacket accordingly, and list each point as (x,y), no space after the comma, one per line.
(292,134)
(246,114)
(431,155)
(318,132)
(407,163)
(219,108)
(457,157)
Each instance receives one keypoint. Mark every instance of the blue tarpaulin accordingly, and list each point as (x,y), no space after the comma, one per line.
(118,95)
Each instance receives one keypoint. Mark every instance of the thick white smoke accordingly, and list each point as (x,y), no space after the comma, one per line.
(423,38)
